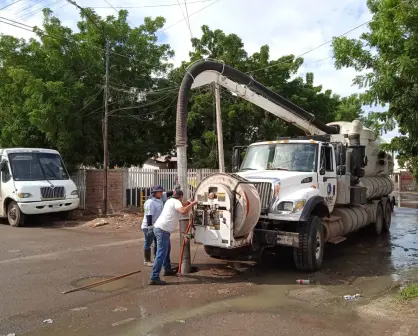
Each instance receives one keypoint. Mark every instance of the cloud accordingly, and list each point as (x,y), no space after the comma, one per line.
(288,27)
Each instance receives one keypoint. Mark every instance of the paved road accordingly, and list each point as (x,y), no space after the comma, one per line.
(38,263)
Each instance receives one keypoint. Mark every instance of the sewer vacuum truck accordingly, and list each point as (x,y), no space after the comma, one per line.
(298,192)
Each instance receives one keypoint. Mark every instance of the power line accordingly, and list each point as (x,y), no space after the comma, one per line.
(321,45)
(28,15)
(27,7)
(10,4)
(186,19)
(212,3)
(91,100)
(117,11)
(14,25)
(151,6)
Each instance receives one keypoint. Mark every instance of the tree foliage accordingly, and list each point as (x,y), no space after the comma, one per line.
(243,122)
(387,59)
(51,92)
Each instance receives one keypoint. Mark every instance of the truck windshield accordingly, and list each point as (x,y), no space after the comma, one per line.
(300,157)
(37,166)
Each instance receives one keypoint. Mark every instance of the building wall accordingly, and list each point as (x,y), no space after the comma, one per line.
(407,181)
(94,191)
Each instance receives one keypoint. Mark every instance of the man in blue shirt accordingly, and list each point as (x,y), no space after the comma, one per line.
(152,210)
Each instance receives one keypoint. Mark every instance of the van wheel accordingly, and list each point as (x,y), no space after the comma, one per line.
(14,215)
(388,217)
(309,256)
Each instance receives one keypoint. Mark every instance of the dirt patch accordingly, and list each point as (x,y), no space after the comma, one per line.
(122,222)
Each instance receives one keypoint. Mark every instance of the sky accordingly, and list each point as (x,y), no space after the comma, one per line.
(288,27)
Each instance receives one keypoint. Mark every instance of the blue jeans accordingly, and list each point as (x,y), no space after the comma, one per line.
(163,253)
(149,237)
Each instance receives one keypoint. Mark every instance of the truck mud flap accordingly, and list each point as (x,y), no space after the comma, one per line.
(272,238)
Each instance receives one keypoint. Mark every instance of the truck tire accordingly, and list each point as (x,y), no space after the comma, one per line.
(388,216)
(309,256)
(14,215)
(210,251)
(377,226)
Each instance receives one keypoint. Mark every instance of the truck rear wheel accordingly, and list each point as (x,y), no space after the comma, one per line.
(388,216)
(377,226)
(309,256)
(14,215)
(211,252)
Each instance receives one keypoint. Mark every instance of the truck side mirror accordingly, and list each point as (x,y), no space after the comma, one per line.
(3,165)
(236,156)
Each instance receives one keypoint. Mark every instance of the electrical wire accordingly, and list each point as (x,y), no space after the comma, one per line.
(14,25)
(28,15)
(154,113)
(212,3)
(186,19)
(91,100)
(319,46)
(152,6)
(27,7)
(7,6)
(118,11)
(142,105)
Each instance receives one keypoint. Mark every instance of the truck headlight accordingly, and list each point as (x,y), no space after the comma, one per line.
(299,205)
(285,206)
(74,192)
(24,195)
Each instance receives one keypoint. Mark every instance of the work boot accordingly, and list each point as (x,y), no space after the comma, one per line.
(170,272)
(147,258)
(157,282)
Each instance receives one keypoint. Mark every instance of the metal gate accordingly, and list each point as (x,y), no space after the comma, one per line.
(80,180)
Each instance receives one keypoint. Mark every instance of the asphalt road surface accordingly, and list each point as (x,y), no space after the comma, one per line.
(38,263)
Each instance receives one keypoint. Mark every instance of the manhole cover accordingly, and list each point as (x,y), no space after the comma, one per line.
(224,271)
(106,287)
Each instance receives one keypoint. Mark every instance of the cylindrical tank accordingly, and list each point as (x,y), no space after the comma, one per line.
(348,219)
(379,163)
(247,206)
(377,186)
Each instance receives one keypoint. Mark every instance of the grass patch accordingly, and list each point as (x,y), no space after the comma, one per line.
(410,292)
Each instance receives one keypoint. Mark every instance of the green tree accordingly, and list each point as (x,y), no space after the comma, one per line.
(243,122)
(51,89)
(387,59)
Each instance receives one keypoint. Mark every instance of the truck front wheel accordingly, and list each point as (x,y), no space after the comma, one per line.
(14,215)
(308,257)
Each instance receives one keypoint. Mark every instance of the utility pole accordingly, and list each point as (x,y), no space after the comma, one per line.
(105,130)
(219,129)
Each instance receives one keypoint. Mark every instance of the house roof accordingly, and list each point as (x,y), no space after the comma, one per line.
(165,158)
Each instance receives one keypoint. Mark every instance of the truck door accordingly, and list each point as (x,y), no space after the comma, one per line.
(327,176)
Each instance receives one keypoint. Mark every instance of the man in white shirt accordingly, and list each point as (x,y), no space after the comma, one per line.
(174,208)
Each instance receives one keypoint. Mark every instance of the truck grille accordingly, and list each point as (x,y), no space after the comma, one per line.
(49,193)
(264,191)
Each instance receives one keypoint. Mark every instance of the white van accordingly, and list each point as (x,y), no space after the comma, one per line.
(34,181)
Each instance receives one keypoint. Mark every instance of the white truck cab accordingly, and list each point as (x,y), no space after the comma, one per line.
(34,181)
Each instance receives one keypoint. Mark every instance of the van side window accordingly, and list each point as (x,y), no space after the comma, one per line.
(328,159)
(5,174)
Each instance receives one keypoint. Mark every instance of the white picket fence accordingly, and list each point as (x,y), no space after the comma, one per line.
(80,180)
(138,182)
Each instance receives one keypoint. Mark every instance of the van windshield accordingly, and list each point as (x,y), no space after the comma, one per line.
(301,157)
(37,166)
